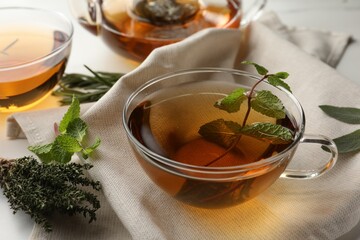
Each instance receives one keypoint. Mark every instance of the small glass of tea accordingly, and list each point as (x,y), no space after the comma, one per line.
(162,119)
(34,48)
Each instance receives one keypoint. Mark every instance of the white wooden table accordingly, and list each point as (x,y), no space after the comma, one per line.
(336,15)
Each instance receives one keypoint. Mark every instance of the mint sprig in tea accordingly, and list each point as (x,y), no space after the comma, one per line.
(228,133)
(214,125)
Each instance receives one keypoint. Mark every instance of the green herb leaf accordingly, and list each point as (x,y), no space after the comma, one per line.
(77,129)
(43,152)
(59,154)
(349,142)
(282,75)
(343,114)
(87,151)
(232,102)
(72,113)
(276,81)
(268,104)
(220,131)
(68,143)
(85,88)
(276,134)
(260,69)
(99,78)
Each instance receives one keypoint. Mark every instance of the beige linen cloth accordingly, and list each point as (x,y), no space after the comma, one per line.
(134,208)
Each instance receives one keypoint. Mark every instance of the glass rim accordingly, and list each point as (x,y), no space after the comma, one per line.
(205,169)
(61,17)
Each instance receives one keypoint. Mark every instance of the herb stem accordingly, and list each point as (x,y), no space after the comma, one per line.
(226,152)
(250,97)
(236,141)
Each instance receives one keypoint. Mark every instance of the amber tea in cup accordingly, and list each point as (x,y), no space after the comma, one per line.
(34,48)
(162,119)
(136,27)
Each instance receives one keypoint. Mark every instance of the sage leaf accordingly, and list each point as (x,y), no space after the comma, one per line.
(275,134)
(260,69)
(221,132)
(268,104)
(343,114)
(72,113)
(276,81)
(349,142)
(232,102)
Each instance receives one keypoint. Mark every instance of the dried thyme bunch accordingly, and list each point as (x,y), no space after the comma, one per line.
(42,189)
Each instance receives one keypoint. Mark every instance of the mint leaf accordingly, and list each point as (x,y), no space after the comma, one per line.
(349,142)
(53,152)
(68,143)
(43,152)
(276,134)
(59,154)
(276,81)
(221,132)
(282,75)
(268,104)
(343,114)
(232,102)
(72,113)
(260,69)
(77,129)
(87,151)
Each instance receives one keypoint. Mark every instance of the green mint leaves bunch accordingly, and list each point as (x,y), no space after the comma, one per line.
(69,140)
(227,133)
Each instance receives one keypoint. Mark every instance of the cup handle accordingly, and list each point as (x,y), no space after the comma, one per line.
(87,13)
(252,11)
(327,145)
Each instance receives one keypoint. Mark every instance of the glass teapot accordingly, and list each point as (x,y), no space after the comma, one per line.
(136,27)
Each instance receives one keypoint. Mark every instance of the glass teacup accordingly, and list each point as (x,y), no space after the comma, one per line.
(135,27)
(34,48)
(162,119)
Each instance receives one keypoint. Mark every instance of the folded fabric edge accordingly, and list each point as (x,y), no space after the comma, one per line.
(338,41)
(13,129)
